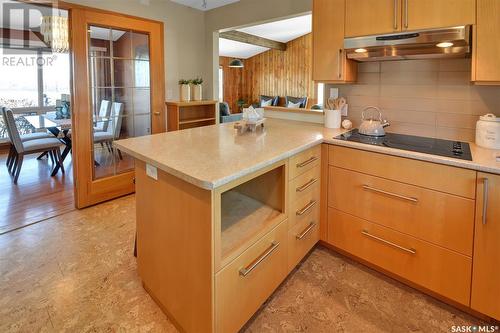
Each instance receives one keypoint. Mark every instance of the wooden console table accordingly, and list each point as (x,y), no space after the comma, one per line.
(182,115)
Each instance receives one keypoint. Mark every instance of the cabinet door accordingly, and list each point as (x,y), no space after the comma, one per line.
(424,14)
(371,17)
(486,273)
(329,60)
(487,44)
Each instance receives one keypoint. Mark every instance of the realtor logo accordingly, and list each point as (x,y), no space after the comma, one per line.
(22,27)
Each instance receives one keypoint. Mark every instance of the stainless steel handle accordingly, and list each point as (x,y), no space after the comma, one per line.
(340,63)
(306,185)
(485,198)
(399,196)
(402,248)
(247,270)
(306,231)
(309,161)
(304,210)
(406,13)
(396,14)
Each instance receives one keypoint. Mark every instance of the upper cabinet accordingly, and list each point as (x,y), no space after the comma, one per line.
(486,46)
(370,17)
(329,60)
(427,14)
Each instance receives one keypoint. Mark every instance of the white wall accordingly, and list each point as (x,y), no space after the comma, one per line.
(184,35)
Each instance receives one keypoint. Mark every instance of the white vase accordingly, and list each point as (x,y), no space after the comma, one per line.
(185,92)
(197,92)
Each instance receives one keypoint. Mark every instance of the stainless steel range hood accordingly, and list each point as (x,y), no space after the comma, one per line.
(411,45)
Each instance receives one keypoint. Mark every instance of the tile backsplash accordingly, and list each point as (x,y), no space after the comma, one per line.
(422,97)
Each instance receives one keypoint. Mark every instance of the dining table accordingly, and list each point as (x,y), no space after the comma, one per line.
(60,128)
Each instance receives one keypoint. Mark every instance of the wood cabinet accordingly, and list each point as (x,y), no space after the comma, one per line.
(183,115)
(330,63)
(210,258)
(370,17)
(428,14)
(486,274)
(486,46)
(432,267)
(411,218)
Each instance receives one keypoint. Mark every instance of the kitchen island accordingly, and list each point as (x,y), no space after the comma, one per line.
(223,218)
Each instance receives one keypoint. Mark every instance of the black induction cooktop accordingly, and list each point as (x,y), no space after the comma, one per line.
(447,148)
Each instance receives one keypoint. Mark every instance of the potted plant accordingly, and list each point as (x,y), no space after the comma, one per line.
(197,88)
(184,90)
(241,103)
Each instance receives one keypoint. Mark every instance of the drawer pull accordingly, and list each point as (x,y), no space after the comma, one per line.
(309,161)
(306,232)
(307,185)
(367,234)
(247,270)
(485,199)
(373,189)
(306,208)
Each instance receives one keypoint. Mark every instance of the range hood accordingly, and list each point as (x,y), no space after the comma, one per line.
(454,42)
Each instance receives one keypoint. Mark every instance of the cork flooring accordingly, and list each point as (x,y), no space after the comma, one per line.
(76,273)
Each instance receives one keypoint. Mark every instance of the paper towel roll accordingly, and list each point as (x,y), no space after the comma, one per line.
(333,118)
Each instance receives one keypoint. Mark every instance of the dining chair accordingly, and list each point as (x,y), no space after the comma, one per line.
(24,137)
(112,132)
(51,145)
(104,112)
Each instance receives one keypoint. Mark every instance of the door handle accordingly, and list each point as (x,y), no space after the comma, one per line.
(395,195)
(406,13)
(485,199)
(304,233)
(306,185)
(396,14)
(304,210)
(157,113)
(253,265)
(402,248)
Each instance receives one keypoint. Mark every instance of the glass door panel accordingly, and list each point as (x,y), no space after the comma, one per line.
(120,82)
(119,93)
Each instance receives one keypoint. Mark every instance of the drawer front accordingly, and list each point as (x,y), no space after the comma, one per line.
(440,218)
(301,239)
(435,268)
(438,177)
(307,207)
(305,184)
(264,265)
(305,161)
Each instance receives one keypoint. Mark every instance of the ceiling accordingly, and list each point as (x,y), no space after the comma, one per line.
(280,31)
(198,4)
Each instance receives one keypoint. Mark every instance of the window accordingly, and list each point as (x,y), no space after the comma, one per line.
(320,94)
(36,79)
(221,84)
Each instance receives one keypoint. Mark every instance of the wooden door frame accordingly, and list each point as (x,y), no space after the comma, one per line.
(88,191)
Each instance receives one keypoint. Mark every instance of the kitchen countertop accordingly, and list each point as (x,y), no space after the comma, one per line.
(212,156)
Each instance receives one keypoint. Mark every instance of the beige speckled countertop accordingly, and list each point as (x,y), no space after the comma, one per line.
(212,156)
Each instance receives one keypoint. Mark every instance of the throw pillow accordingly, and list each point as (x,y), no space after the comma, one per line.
(266,103)
(293,105)
(224,109)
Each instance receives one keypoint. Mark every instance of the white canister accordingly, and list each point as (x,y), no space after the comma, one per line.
(333,118)
(488,131)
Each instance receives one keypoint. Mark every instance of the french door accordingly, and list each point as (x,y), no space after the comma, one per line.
(118,93)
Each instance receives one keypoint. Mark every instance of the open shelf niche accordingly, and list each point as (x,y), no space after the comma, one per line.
(250,210)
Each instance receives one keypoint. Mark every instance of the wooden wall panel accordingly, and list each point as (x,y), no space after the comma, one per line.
(273,73)
(233,83)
